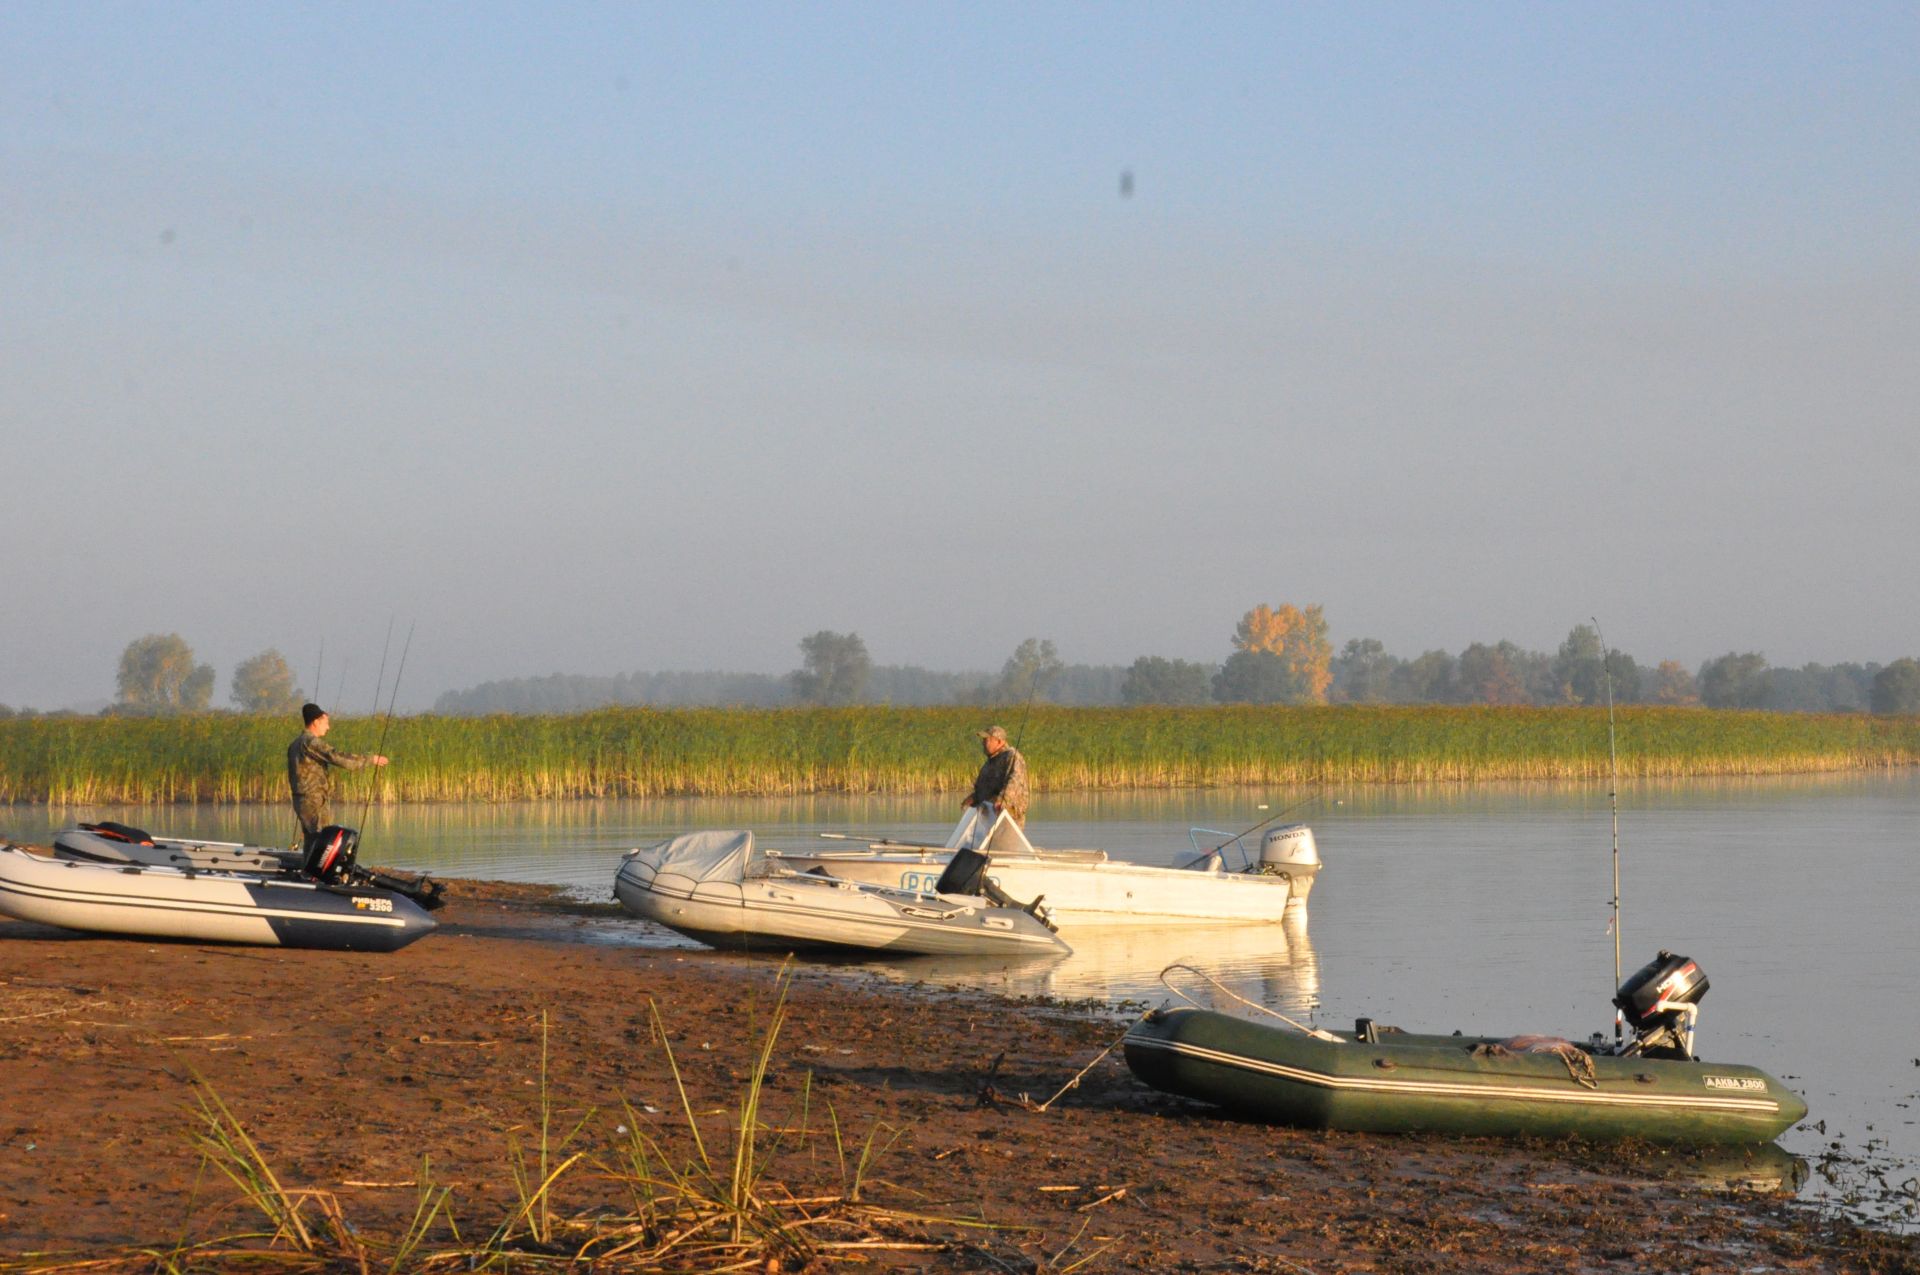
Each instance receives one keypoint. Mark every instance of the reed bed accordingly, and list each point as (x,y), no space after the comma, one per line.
(638,752)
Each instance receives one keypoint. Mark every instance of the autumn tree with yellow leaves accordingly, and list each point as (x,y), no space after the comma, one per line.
(1281,655)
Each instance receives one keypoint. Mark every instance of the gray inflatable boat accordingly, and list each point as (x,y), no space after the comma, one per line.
(331,857)
(716,888)
(120,843)
(205,906)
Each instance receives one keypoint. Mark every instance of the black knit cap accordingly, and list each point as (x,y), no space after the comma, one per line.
(311,713)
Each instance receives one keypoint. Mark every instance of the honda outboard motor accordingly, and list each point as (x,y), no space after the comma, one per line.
(1288,851)
(330,853)
(1661,1002)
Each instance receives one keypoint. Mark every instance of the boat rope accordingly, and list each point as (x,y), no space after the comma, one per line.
(1579,1062)
(1315,1032)
(1040,1108)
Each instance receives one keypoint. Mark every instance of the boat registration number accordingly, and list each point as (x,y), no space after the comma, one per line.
(1746,1084)
(919,882)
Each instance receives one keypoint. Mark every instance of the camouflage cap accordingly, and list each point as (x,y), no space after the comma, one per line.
(994,732)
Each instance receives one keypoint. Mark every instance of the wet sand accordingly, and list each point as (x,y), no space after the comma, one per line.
(347,1069)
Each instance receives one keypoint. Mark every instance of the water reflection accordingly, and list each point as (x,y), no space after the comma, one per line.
(1269,964)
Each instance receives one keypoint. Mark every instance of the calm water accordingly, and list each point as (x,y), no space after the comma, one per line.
(1481,908)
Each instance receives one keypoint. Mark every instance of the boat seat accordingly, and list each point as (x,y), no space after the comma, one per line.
(965,874)
(118,832)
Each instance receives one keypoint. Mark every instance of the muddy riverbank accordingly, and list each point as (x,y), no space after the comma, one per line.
(347,1070)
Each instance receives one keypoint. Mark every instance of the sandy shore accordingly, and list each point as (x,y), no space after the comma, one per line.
(348,1069)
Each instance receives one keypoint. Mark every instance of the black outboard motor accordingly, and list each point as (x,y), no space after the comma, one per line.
(967,874)
(330,854)
(1660,1002)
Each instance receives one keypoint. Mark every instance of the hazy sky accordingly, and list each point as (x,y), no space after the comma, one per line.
(600,338)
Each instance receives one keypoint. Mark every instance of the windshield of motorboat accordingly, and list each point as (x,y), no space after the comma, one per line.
(1002,839)
(1213,858)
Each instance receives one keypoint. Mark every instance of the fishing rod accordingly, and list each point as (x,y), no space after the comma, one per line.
(1613,799)
(379,685)
(1033,688)
(320,667)
(380,678)
(1285,810)
(340,691)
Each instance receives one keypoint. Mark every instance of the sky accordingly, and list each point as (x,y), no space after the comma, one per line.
(600,338)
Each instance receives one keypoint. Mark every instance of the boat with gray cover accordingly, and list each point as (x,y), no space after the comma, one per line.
(718,888)
(205,906)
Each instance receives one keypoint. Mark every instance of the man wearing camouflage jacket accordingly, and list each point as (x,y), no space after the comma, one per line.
(1002,780)
(309,759)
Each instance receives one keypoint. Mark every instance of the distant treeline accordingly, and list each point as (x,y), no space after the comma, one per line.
(1279,655)
(1363,672)
(907,685)
(644,752)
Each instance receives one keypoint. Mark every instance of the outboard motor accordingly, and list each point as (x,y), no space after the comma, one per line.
(1661,1002)
(967,874)
(1288,851)
(330,854)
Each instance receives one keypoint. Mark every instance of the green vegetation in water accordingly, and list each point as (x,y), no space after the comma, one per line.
(641,752)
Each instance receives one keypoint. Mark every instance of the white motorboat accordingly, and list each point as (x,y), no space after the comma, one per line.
(718,888)
(1085,887)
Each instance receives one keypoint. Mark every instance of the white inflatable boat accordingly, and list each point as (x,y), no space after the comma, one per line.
(331,856)
(205,906)
(121,843)
(717,888)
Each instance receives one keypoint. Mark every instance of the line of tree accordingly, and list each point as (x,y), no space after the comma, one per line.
(1579,672)
(1279,655)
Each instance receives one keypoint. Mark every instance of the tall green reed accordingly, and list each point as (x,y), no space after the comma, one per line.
(642,752)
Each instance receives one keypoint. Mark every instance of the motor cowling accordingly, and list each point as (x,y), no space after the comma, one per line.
(1660,1002)
(1665,981)
(330,853)
(1289,846)
(1289,852)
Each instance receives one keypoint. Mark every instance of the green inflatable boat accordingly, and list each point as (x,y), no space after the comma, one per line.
(1387,1081)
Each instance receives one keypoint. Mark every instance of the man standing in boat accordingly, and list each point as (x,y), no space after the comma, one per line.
(309,759)
(1002,781)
